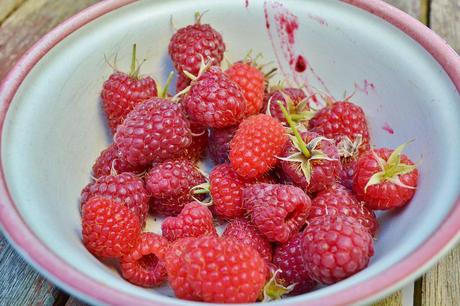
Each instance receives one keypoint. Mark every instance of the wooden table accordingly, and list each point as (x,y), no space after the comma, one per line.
(22,22)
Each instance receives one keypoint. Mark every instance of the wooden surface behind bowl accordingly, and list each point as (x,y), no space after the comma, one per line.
(23,22)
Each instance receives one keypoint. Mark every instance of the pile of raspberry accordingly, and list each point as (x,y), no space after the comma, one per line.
(295,184)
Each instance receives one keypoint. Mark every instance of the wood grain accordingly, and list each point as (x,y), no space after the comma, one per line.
(7,7)
(445,20)
(393,300)
(74,302)
(412,7)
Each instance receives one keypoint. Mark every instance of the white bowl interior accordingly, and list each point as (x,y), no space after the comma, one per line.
(55,128)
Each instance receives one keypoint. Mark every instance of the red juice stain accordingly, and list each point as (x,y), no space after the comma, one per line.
(318,19)
(386,127)
(300,64)
(366,88)
(246,3)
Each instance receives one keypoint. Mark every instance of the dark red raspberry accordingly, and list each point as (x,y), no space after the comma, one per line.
(245,232)
(278,211)
(256,145)
(110,160)
(197,148)
(336,247)
(323,172)
(252,82)
(124,188)
(385,179)
(342,119)
(190,44)
(219,143)
(288,257)
(182,82)
(109,229)
(348,173)
(154,131)
(215,270)
(337,200)
(214,100)
(295,96)
(193,221)
(144,266)
(169,185)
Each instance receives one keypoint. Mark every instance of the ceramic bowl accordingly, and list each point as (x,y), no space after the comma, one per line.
(405,77)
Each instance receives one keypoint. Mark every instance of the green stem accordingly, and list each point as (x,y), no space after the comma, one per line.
(302,145)
(164,91)
(297,117)
(134,71)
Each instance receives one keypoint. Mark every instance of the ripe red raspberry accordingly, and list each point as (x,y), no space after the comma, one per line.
(316,172)
(337,200)
(193,221)
(348,173)
(190,44)
(199,143)
(256,145)
(122,92)
(342,119)
(125,188)
(154,131)
(252,82)
(245,232)
(214,100)
(182,82)
(385,179)
(219,143)
(144,265)
(111,159)
(169,185)
(295,97)
(215,270)
(109,229)
(278,211)
(335,248)
(288,257)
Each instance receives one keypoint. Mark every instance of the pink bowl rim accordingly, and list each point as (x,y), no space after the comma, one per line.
(75,282)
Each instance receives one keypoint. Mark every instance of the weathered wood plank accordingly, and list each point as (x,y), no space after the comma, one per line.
(393,300)
(7,7)
(74,302)
(445,20)
(29,22)
(412,7)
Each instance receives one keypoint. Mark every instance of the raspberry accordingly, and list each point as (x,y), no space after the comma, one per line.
(199,143)
(214,100)
(256,145)
(295,95)
(348,173)
(109,229)
(337,200)
(192,43)
(111,159)
(245,232)
(125,188)
(154,131)
(215,270)
(288,257)
(182,82)
(144,265)
(385,179)
(252,82)
(194,220)
(278,211)
(219,143)
(342,119)
(324,169)
(336,248)
(169,184)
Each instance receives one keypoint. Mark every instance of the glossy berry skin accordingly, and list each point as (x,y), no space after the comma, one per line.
(324,172)
(154,131)
(214,100)
(197,148)
(182,82)
(385,195)
(215,270)
(122,92)
(144,265)
(278,211)
(109,229)
(337,200)
(342,119)
(126,189)
(219,143)
(193,221)
(295,94)
(256,145)
(169,185)
(335,248)
(348,173)
(112,158)
(288,257)
(245,232)
(252,82)
(188,43)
